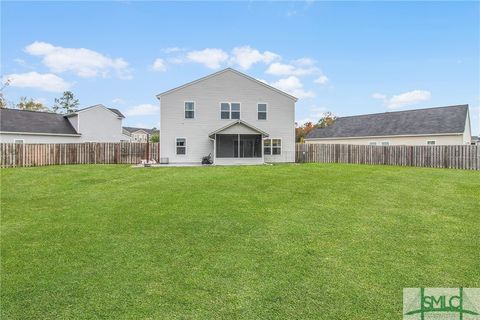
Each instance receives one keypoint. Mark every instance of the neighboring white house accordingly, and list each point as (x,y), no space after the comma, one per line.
(234,117)
(93,124)
(432,126)
(140,134)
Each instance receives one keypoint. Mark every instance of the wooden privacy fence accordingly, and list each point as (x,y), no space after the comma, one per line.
(30,155)
(455,157)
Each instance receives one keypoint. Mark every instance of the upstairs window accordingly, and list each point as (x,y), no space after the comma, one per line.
(431,142)
(262,111)
(385,143)
(189,110)
(181,146)
(225,110)
(230,110)
(372,143)
(235,114)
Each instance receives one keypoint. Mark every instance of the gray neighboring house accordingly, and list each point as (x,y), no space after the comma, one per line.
(139,134)
(432,126)
(230,115)
(93,124)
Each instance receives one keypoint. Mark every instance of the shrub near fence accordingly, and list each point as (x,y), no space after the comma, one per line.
(31,155)
(455,156)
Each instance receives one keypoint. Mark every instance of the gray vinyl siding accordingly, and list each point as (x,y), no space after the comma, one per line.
(99,124)
(207,95)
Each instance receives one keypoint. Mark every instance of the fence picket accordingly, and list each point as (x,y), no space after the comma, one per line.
(29,155)
(452,156)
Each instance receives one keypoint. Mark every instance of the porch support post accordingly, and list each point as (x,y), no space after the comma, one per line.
(215,149)
(238,145)
(261,150)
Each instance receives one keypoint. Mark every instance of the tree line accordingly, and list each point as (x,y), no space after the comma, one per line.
(301,131)
(67,103)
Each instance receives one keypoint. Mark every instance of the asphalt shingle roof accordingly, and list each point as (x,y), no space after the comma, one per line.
(13,120)
(438,120)
(116,111)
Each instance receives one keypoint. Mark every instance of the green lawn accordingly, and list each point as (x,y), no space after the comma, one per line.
(313,241)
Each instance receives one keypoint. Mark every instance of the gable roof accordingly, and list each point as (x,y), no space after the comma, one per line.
(236,122)
(133,129)
(223,71)
(440,120)
(116,111)
(25,121)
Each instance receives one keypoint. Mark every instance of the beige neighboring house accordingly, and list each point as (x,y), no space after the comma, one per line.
(432,126)
(139,134)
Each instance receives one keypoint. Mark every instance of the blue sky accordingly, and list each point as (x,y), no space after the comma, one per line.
(344,57)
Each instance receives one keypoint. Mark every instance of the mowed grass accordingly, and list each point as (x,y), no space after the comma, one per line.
(313,241)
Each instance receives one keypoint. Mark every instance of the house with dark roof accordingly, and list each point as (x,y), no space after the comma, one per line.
(140,134)
(93,124)
(432,126)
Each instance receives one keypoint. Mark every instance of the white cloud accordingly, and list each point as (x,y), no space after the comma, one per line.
(214,58)
(400,100)
(281,69)
(379,96)
(172,49)
(292,13)
(293,86)
(410,97)
(81,61)
(159,65)
(119,101)
(211,58)
(20,62)
(321,80)
(246,56)
(304,62)
(142,110)
(45,81)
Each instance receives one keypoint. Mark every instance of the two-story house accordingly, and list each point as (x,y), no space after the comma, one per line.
(234,117)
(140,134)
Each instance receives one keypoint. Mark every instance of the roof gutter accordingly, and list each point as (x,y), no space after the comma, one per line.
(43,134)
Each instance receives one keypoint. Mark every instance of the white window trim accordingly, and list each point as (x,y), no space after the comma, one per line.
(22,141)
(186,146)
(194,110)
(271,146)
(266,111)
(434,142)
(384,145)
(230,110)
